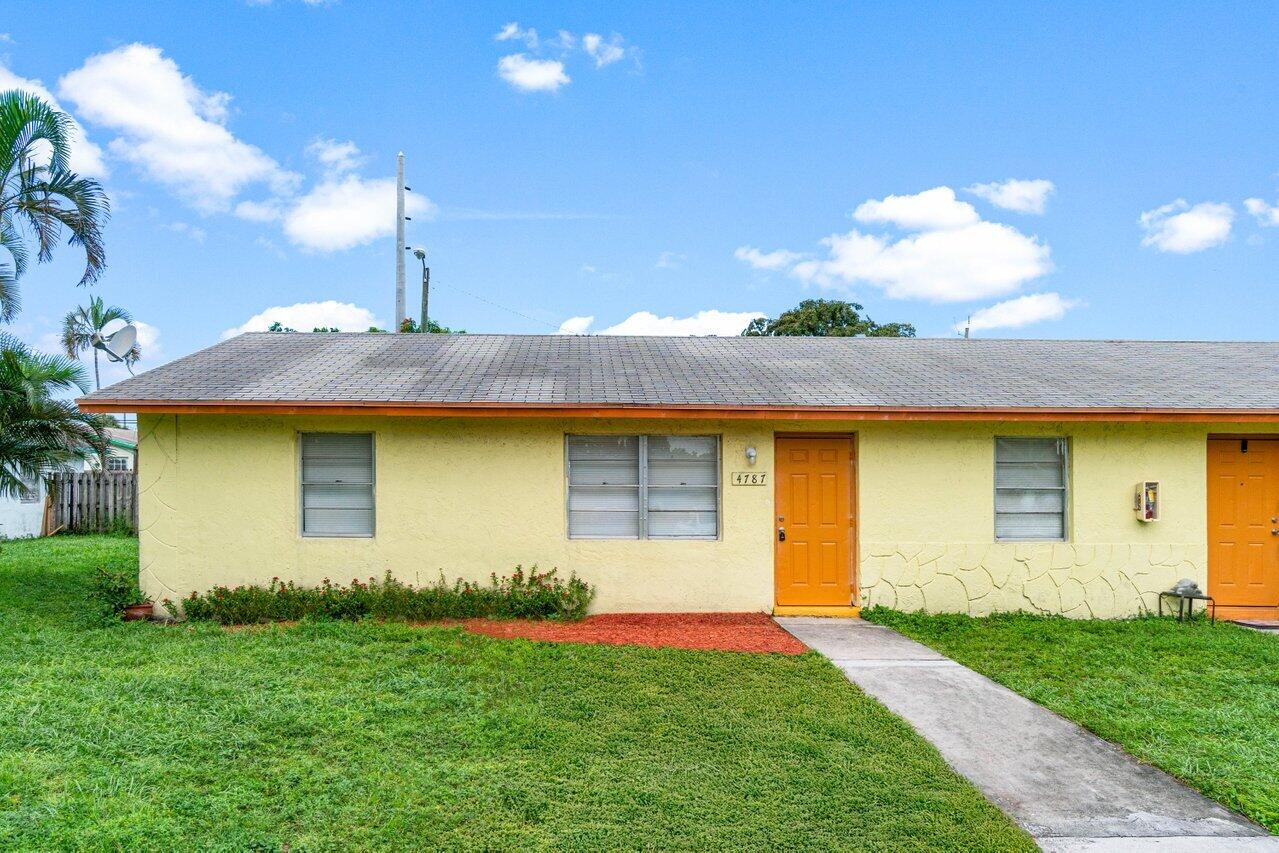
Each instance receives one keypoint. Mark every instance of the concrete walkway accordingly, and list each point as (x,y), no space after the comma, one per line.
(1068,788)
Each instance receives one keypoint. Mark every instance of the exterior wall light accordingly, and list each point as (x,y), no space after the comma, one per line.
(750,455)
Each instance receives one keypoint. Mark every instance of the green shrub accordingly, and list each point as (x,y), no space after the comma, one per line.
(521,595)
(116,589)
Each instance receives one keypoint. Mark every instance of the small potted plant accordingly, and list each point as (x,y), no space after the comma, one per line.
(137,612)
(118,594)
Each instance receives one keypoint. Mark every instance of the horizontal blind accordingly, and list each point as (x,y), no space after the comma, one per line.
(604,486)
(682,486)
(337,484)
(1030,488)
(30,490)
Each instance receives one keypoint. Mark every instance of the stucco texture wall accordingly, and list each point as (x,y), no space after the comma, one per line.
(927,520)
(466,497)
(463,497)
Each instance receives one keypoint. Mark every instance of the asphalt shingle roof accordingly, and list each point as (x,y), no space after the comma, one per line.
(739,372)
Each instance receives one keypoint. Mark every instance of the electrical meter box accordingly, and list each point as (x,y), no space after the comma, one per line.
(1146,500)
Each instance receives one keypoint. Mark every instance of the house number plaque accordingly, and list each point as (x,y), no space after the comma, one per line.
(750,478)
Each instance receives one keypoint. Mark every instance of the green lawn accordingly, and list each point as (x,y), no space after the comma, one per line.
(326,736)
(1201,702)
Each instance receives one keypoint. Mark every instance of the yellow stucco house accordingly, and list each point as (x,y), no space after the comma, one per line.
(790,475)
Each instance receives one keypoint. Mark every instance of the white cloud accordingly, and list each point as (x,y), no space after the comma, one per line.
(776,260)
(532,75)
(169,128)
(975,262)
(1182,229)
(86,158)
(513,32)
(1267,215)
(305,316)
(927,211)
(342,210)
(259,211)
(670,260)
(576,325)
(1022,311)
(564,41)
(1012,194)
(345,211)
(951,255)
(336,156)
(722,323)
(603,52)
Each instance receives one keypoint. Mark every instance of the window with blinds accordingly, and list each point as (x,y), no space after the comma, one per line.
(1030,488)
(30,490)
(337,484)
(643,487)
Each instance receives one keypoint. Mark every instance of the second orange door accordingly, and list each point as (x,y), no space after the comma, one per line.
(1243,527)
(813,521)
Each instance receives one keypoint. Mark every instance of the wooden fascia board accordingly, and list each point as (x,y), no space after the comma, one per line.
(782,413)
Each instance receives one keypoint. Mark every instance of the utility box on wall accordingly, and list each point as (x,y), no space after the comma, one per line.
(1146,500)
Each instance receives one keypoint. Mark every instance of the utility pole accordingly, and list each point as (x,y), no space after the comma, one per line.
(399,241)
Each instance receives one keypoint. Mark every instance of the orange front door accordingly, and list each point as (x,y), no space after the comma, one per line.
(813,524)
(1243,527)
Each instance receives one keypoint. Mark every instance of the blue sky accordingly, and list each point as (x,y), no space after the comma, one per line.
(687,162)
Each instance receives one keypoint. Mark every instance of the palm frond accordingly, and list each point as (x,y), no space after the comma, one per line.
(44,208)
(40,198)
(26,120)
(10,299)
(39,432)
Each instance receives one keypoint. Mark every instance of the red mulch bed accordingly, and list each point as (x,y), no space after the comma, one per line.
(730,632)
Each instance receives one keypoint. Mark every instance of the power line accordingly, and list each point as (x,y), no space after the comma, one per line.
(503,307)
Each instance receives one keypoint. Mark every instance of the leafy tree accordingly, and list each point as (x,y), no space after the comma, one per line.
(80,326)
(410,325)
(830,318)
(40,197)
(39,432)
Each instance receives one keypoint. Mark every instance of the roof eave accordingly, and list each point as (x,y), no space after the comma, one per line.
(686,412)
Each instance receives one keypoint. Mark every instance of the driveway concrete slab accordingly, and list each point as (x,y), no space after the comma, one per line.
(1065,786)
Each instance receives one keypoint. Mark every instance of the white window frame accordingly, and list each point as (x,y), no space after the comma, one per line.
(301,497)
(643,488)
(1063,445)
(122,461)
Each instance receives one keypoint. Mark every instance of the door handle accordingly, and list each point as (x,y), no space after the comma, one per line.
(781,534)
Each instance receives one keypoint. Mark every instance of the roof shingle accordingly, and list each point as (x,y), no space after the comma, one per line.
(733,372)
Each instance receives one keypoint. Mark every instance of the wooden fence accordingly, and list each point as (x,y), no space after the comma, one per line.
(92,501)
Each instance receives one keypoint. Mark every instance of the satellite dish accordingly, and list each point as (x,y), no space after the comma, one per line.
(113,327)
(117,344)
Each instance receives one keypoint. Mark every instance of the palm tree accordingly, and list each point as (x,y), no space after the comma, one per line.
(39,432)
(40,196)
(80,326)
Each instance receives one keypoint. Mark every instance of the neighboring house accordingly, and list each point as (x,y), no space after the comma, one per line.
(24,516)
(683,474)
